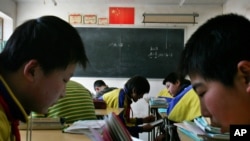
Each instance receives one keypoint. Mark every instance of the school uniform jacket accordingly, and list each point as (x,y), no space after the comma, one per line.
(184,106)
(11,111)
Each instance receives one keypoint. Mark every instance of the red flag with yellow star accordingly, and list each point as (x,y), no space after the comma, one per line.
(121,15)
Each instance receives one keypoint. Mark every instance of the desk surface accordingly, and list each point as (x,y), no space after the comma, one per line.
(53,135)
(104,112)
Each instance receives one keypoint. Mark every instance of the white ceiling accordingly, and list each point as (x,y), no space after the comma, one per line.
(153,2)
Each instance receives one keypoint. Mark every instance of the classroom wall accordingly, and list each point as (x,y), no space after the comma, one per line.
(8,13)
(239,7)
(101,10)
(32,9)
(8,7)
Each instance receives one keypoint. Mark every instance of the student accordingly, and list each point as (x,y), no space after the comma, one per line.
(133,90)
(217,60)
(100,88)
(37,62)
(164,92)
(185,104)
(76,105)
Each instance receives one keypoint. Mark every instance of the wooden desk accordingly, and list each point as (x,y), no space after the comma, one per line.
(104,112)
(53,135)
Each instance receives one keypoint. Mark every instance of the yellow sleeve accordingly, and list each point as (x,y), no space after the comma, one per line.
(187,108)
(164,93)
(5,128)
(112,98)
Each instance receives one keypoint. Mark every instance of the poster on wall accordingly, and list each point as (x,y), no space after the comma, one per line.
(103,21)
(89,19)
(121,15)
(75,18)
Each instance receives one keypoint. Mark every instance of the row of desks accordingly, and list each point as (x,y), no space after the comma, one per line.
(58,135)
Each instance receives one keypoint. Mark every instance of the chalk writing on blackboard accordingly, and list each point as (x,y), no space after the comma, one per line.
(154,53)
(124,52)
(115,44)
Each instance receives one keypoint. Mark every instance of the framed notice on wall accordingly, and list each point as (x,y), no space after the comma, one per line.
(103,21)
(89,19)
(1,28)
(75,18)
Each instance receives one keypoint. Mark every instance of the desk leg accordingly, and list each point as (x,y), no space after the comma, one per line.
(151,135)
(168,130)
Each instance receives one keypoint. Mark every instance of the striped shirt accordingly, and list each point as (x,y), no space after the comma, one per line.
(76,105)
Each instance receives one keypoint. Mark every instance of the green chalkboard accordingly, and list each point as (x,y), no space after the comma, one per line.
(124,52)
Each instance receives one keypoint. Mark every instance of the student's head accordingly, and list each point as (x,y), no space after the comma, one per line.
(173,82)
(136,87)
(99,85)
(42,53)
(217,60)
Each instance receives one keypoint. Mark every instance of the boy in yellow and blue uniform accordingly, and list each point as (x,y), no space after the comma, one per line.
(133,90)
(185,103)
(37,61)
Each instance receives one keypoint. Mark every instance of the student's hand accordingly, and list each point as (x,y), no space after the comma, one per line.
(147,128)
(148,119)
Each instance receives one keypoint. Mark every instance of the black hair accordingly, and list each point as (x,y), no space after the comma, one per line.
(139,83)
(99,83)
(174,77)
(215,49)
(53,42)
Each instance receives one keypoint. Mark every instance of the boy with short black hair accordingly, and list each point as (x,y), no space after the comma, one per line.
(101,88)
(217,60)
(37,62)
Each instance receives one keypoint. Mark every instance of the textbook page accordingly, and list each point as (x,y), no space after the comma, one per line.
(83,126)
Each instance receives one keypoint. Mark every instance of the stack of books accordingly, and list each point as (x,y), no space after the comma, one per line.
(200,130)
(155,101)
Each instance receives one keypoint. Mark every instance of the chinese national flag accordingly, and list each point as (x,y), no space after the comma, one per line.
(121,15)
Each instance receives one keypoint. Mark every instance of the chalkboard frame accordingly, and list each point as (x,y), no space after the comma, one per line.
(124,52)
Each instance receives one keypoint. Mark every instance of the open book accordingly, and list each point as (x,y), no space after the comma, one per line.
(111,128)
(83,126)
(114,130)
(156,123)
